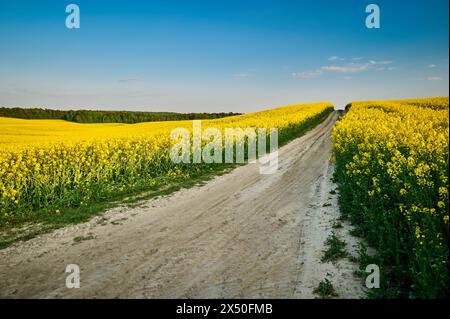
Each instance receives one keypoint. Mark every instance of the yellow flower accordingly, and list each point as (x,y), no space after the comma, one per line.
(418,232)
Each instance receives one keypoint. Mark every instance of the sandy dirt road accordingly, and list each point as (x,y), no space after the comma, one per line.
(242,235)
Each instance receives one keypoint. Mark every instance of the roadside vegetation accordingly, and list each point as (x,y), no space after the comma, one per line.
(335,248)
(325,290)
(392,171)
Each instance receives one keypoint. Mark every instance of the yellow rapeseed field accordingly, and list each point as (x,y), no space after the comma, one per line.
(48,165)
(392,167)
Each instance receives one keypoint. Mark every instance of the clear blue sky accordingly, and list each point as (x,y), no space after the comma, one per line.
(219,55)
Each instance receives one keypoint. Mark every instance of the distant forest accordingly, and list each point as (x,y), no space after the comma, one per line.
(87,116)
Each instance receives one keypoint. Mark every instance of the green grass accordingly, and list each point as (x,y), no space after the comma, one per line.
(335,250)
(325,290)
(336,225)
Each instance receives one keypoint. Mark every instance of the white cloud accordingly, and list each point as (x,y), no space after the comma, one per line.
(336,58)
(432,65)
(348,68)
(307,75)
(379,62)
(358,67)
(434,78)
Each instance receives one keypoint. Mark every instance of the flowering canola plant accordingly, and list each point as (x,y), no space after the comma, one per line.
(392,169)
(49,165)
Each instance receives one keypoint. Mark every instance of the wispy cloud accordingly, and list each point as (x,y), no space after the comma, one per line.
(380,62)
(339,58)
(383,68)
(432,66)
(307,75)
(336,58)
(434,78)
(346,68)
(131,80)
(347,78)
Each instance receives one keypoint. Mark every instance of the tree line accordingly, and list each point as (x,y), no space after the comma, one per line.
(91,116)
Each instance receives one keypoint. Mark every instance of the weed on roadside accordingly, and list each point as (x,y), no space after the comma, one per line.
(325,290)
(335,250)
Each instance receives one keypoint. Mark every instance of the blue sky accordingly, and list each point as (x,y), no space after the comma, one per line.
(191,56)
